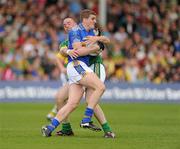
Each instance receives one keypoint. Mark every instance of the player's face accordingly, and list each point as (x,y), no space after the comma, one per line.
(68,24)
(91,21)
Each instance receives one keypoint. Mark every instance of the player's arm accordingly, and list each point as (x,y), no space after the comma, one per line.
(63,51)
(78,48)
(82,51)
(94,39)
(60,64)
(103,39)
(60,60)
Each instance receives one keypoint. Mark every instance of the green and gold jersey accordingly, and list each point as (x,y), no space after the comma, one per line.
(64,44)
(95,59)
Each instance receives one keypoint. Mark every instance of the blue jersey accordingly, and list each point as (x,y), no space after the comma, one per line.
(78,34)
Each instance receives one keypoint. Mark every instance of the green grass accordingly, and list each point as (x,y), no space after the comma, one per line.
(137,126)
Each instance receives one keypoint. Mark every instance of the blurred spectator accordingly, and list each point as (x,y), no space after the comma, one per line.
(145,38)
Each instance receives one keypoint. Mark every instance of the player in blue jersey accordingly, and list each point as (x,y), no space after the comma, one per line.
(79,74)
(97,66)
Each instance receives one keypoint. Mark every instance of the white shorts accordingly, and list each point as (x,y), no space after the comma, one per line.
(99,70)
(72,73)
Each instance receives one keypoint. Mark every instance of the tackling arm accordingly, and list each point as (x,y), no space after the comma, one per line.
(103,39)
(60,65)
(63,51)
(82,51)
(93,39)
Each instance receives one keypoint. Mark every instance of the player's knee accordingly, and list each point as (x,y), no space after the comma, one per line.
(102,87)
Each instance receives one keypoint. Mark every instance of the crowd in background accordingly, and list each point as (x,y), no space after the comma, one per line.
(145,38)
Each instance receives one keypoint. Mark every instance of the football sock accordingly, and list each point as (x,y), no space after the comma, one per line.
(87,115)
(106,127)
(53,125)
(66,127)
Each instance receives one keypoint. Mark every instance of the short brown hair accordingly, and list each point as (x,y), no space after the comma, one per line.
(86,13)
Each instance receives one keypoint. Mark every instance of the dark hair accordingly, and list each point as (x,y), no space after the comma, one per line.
(98,28)
(86,13)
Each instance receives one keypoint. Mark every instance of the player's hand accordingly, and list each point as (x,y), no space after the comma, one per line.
(91,40)
(72,53)
(98,52)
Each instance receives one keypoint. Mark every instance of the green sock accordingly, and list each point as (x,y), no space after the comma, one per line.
(66,127)
(106,127)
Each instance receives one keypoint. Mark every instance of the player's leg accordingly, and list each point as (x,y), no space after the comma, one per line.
(62,96)
(100,116)
(90,80)
(52,113)
(82,74)
(99,69)
(75,93)
(61,99)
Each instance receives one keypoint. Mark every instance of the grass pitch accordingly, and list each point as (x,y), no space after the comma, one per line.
(137,126)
